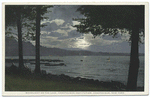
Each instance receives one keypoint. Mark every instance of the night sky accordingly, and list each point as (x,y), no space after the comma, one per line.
(60,33)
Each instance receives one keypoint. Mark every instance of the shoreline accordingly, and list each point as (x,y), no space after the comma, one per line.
(112,85)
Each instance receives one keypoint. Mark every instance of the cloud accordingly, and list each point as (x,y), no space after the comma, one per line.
(68,27)
(63,29)
(44,32)
(58,22)
(64,12)
(74,39)
(99,40)
(125,36)
(71,34)
(75,23)
(50,27)
(50,41)
(62,32)
(55,34)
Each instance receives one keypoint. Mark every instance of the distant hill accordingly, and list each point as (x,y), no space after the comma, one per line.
(11,49)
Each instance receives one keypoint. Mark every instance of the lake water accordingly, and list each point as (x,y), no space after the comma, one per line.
(93,67)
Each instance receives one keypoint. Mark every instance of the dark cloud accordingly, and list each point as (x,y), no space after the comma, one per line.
(72,34)
(55,34)
(65,12)
(107,37)
(50,27)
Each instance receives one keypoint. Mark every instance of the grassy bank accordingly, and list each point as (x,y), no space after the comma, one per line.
(17,83)
(26,80)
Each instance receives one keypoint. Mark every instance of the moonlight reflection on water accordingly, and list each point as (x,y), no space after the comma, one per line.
(92,67)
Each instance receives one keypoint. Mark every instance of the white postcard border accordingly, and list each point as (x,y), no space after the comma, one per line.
(78,93)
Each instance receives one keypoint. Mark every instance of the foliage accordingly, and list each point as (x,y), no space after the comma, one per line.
(110,19)
(28,16)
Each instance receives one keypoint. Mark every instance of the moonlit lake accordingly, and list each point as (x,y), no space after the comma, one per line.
(91,67)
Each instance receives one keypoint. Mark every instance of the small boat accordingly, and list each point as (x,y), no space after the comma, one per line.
(108,59)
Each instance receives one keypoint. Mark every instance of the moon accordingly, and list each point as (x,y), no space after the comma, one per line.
(83,44)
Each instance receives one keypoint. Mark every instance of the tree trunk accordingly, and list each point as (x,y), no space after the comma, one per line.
(20,49)
(38,18)
(134,60)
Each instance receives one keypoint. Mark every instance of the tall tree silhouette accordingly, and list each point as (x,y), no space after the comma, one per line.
(19,27)
(40,10)
(38,18)
(15,15)
(112,19)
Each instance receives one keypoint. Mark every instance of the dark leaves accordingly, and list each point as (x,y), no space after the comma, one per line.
(109,19)
(28,17)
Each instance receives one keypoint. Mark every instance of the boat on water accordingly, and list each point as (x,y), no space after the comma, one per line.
(108,59)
